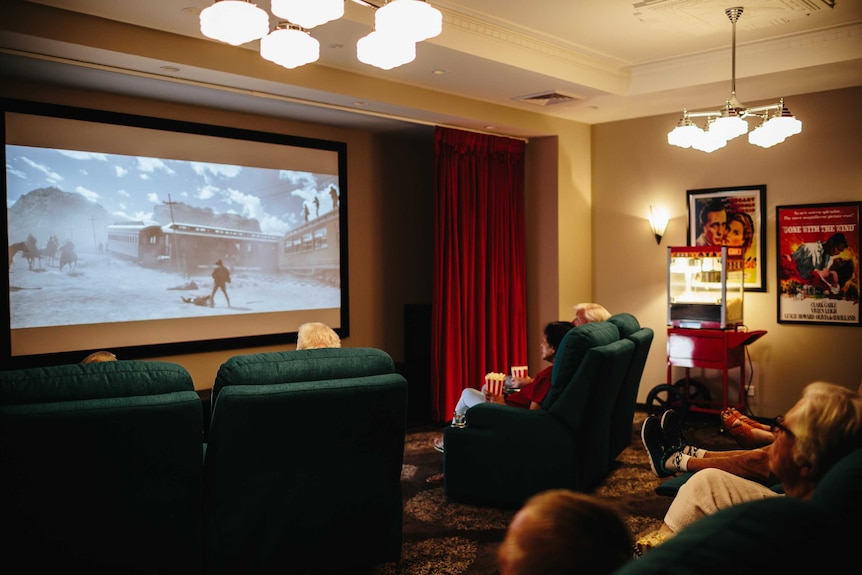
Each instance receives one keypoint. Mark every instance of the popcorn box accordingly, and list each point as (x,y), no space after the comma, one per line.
(519,371)
(494,382)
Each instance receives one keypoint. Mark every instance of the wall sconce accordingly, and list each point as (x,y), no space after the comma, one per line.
(657,222)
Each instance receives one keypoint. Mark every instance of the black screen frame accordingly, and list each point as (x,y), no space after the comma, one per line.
(146,348)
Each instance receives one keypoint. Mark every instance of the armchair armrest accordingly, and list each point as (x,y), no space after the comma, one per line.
(509,420)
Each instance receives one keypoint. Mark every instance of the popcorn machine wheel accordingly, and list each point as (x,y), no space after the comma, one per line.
(666,396)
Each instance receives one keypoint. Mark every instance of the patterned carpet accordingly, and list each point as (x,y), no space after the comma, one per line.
(447,538)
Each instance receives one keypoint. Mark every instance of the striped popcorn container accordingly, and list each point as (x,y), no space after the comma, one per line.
(494,382)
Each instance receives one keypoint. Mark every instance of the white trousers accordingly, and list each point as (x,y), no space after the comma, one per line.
(708,491)
(469,398)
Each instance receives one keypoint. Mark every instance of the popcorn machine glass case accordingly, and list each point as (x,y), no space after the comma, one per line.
(704,287)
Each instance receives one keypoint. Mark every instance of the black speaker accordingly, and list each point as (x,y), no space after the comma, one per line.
(417,333)
(417,361)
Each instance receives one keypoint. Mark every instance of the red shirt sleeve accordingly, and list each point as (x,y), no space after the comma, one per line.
(537,389)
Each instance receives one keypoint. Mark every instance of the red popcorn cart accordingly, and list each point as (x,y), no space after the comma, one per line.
(705,325)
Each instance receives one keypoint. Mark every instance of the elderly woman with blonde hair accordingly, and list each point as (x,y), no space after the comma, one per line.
(590,312)
(99,357)
(315,335)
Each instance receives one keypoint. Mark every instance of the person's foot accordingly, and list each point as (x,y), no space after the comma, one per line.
(653,441)
(747,435)
(671,428)
(733,413)
(436,478)
(438,443)
(675,461)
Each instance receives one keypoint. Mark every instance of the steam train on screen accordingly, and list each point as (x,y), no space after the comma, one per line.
(187,246)
(314,249)
(310,250)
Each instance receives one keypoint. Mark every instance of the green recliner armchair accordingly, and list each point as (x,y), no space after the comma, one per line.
(506,454)
(101,469)
(303,462)
(773,535)
(624,412)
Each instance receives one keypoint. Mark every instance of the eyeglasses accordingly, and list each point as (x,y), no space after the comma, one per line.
(778,423)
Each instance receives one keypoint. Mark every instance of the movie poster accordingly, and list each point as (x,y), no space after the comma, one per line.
(818,263)
(732,217)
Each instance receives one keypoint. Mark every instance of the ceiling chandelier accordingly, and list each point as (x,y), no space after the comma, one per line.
(776,122)
(398,26)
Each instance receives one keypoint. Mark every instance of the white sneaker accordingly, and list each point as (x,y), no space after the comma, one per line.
(438,444)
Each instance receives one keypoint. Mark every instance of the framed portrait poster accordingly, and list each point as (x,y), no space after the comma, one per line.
(732,217)
(818,263)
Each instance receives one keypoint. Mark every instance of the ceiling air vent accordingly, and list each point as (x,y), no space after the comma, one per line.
(548,98)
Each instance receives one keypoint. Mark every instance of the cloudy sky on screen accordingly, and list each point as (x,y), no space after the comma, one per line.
(129,187)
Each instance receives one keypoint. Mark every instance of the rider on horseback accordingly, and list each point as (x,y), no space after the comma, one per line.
(68,255)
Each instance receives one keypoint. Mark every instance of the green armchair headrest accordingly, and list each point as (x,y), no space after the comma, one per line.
(83,381)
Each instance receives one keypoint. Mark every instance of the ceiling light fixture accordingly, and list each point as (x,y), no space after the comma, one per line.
(234,21)
(290,46)
(308,13)
(413,19)
(399,25)
(385,51)
(776,122)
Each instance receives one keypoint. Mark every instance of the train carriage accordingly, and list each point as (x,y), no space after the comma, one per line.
(314,249)
(194,245)
(137,241)
(188,246)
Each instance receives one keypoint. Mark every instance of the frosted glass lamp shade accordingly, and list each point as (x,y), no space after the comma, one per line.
(234,22)
(684,135)
(308,13)
(385,51)
(729,126)
(290,47)
(413,19)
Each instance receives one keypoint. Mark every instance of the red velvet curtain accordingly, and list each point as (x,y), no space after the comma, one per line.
(479,306)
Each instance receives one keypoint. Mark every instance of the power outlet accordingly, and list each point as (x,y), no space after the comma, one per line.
(750,391)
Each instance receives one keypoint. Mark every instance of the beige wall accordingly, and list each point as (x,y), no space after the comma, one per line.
(633,167)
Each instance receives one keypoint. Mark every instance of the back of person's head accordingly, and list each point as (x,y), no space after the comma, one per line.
(561,532)
(590,312)
(99,356)
(555,331)
(315,335)
(827,425)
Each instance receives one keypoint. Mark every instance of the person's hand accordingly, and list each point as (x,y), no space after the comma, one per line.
(494,398)
(521,381)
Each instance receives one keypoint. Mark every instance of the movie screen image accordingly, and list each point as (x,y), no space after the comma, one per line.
(123,236)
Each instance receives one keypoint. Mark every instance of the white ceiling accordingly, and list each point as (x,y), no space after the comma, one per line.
(617,59)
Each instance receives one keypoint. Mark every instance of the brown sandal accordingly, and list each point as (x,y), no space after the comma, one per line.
(745,419)
(738,429)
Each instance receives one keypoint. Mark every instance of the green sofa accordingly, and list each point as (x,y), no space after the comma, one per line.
(101,469)
(506,454)
(303,462)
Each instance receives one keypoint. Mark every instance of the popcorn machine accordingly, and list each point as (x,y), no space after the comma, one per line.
(704,287)
(705,321)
